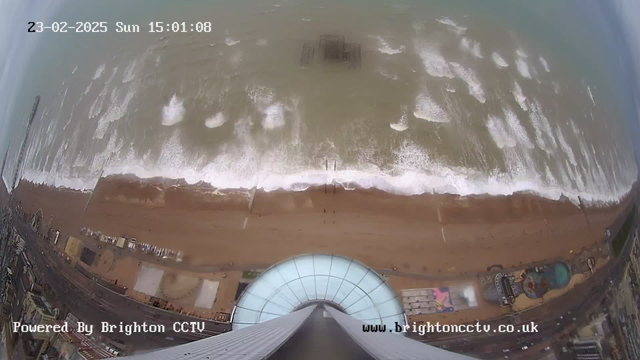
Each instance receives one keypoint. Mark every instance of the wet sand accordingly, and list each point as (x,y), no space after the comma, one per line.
(439,235)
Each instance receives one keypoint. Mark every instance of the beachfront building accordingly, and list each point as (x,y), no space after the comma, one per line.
(313,307)
(36,312)
(76,346)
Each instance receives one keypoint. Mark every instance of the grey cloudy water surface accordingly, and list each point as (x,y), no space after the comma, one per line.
(462,97)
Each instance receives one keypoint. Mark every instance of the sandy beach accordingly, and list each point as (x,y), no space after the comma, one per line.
(440,235)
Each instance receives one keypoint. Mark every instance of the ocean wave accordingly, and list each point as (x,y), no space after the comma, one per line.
(230,42)
(591,95)
(519,96)
(469,76)
(544,63)
(515,127)
(544,134)
(565,147)
(402,123)
(427,109)
(499,60)
(115,111)
(433,62)
(451,25)
(260,96)
(498,131)
(215,121)
(386,74)
(471,46)
(98,103)
(385,48)
(99,71)
(413,172)
(132,70)
(173,112)
(273,116)
(523,68)
(244,163)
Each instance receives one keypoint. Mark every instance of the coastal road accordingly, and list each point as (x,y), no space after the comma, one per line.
(93,303)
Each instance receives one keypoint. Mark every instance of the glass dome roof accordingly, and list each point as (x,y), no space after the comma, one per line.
(346,283)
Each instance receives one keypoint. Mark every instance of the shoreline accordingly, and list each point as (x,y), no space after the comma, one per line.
(414,242)
(409,233)
(574,196)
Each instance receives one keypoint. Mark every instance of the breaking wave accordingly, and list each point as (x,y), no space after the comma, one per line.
(173,112)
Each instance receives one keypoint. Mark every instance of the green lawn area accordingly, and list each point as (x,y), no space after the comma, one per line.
(250,275)
(623,234)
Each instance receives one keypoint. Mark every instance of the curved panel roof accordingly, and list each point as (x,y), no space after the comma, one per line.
(355,288)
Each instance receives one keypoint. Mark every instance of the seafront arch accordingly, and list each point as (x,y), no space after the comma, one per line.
(343,283)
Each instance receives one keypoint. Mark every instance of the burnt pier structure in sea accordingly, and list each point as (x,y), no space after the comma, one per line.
(333,48)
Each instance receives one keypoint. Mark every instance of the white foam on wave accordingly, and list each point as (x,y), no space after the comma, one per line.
(98,103)
(230,42)
(73,108)
(273,116)
(385,48)
(402,123)
(591,95)
(433,62)
(88,88)
(74,70)
(260,96)
(519,96)
(427,109)
(471,46)
(517,129)
(132,69)
(386,74)
(508,132)
(565,147)
(215,121)
(99,71)
(521,53)
(64,97)
(451,25)
(499,60)
(501,137)
(115,111)
(242,165)
(544,134)
(173,112)
(263,99)
(544,63)
(262,42)
(469,76)
(523,68)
